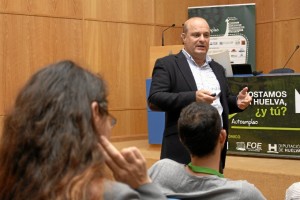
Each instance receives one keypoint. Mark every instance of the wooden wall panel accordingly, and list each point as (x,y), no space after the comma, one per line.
(2,91)
(286,38)
(1,125)
(164,17)
(264,9)
(193,3)
(168,12)
(171,36)
(133,11)
(130,124)
(120,52)
(264,47)
(15,55)
(31,42)
(2,71)
(58,8)
(286,10)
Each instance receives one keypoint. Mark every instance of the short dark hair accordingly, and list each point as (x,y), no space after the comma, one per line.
(199,126)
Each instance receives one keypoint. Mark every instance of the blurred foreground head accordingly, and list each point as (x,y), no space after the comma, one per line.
(49,145)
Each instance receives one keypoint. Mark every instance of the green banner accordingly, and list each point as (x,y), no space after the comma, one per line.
(232,28)
(270,127)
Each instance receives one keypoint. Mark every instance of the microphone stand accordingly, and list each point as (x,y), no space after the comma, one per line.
(297,47)
(162,35)
(283,69)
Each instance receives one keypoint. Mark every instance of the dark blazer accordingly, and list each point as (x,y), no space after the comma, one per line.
(172,88)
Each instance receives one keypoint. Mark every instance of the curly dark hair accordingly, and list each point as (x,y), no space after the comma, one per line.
(49,148)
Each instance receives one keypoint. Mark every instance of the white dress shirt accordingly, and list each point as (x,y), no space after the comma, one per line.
(206,79)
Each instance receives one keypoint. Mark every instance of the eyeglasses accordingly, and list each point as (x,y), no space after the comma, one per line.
(103,110)
(112,120)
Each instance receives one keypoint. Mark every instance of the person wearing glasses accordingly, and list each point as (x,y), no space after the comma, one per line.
(55,142)
(201,133)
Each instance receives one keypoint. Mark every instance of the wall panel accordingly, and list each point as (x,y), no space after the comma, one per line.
(2,91)
(286,10)
(2,71)
(286,38)
(58,8)
(168,12)
(133,11)
(264,47)
(120,52)
(171,36)
(31,42)
(130,124)
(192,3)
(1,125)
(264,9)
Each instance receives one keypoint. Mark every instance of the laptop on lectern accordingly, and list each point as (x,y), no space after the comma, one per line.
(241,69)
(223,58)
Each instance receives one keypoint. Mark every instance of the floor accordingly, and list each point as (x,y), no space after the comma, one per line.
(271,175)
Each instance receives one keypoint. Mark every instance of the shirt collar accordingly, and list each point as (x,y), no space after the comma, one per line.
(188,56)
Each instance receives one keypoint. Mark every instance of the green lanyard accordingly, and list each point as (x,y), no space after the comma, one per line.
(205,170)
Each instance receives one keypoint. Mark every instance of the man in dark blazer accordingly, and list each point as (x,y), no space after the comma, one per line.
(189,76)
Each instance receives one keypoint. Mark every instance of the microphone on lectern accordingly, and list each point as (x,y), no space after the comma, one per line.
(297,47)
(162,35)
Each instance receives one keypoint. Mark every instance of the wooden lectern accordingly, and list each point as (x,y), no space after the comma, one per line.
(159,52)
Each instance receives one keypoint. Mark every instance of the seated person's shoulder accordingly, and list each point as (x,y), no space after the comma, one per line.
(248,190)
(119,191)
(165,163)
(164,166)
(293,191)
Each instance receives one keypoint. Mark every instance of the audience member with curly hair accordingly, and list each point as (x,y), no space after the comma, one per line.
(55,145)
